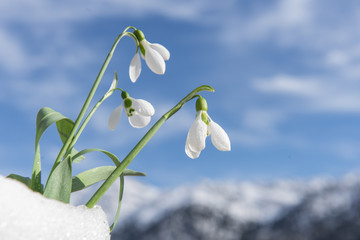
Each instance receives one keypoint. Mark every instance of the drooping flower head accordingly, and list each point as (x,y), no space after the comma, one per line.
(202,127)
(138,111)
(154,54)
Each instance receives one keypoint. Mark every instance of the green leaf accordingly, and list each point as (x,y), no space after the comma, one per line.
(95,175)
(88,150)
(128,172)
(90,177)
(45,117)
(64,127)
(59,183)
(121,193)
(24,180)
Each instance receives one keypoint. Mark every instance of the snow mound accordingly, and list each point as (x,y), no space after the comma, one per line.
(25,214)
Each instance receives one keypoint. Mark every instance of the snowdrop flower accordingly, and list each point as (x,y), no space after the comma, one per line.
(154,54)
(202,127)
(139,112)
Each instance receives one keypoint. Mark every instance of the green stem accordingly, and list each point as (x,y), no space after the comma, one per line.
(68,142)
(83,125)
(88,117)
(132,154)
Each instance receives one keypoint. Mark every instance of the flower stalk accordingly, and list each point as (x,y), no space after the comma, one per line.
(66,148)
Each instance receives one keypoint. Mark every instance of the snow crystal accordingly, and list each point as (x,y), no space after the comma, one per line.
(25,214)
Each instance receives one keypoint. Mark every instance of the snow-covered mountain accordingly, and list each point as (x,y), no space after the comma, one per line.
(322,208)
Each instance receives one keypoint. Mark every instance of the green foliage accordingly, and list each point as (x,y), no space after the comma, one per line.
(59,183)
(121,193)
(64,127)
(77,156)
(95,175)
(24,180)
(45,118)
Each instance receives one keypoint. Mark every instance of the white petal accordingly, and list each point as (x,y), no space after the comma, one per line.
(161,49)
(191,154)
(135,68)
(153,59)
(115,117)
(197,134)
(142,107)
(139,121)
(219,138)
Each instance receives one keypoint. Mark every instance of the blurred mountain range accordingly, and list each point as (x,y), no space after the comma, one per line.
(319,209)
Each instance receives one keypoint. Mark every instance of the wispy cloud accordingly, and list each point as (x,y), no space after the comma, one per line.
(316,93)
(45,11)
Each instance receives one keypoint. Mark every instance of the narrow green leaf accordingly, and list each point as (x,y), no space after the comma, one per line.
(24,180)
(77,158)
(95,175)
(45,117)
(64,127)
(128,172)
(59,183)
(121,193)
(90,177)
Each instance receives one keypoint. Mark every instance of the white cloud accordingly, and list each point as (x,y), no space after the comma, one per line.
(291,85)
(317,93)
(262,119)
(12,54)
(283,20)
(258,127)
(53,11)
(31,95)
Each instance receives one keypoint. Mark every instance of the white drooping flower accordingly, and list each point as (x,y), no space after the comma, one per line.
(138,111)
(154,54)
(202,127)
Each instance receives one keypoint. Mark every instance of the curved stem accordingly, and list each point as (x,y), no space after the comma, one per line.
(88,117)
(83,125)
(66,145)
(146,138)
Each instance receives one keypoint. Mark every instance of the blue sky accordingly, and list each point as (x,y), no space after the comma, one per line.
(286,75)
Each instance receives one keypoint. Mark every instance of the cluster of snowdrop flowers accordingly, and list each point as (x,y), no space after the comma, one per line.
(139,111)
(154,54)
(202,127)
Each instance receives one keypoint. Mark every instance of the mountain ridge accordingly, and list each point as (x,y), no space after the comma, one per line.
(318,209)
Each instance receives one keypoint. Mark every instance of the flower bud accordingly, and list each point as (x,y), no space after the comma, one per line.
(139,35)
(124,95)
(201,104)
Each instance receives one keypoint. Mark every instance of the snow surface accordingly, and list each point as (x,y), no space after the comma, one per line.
(25,214)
